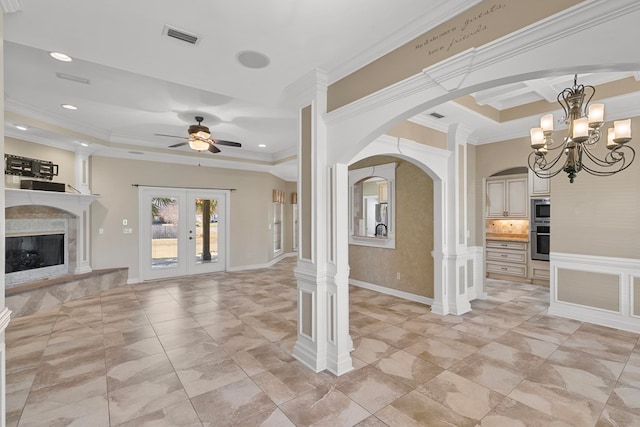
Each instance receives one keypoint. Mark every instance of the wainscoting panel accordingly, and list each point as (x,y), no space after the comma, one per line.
(594,289)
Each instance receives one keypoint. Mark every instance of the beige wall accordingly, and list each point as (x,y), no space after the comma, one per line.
(414,235)
(480,24)
(250,205)
(474,210)
(251,209)
(587,288)
(304,199)
(490,159)
(63,158)
(420,134)
(598,215)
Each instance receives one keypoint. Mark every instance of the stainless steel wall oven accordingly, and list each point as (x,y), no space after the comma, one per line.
(540,226)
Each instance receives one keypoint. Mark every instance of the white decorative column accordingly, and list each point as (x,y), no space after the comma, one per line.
(455,257)
(311,271)
(340,343)
(82,172)
(323,294)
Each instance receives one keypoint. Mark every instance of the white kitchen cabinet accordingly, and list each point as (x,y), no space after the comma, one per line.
(507,258)
(507,197)
(539,186)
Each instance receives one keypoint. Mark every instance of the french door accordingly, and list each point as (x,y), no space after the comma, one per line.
(183,231)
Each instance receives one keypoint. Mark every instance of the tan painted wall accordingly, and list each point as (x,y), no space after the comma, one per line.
(490,159)
(304,198)
(63,158)
(474,211)
(598,215)
(482,23)
(251,209)
(420,134)
(414,235)
(589,289)
(250,204)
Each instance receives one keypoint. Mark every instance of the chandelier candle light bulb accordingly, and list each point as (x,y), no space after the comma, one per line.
(596,115)
(577,151)
(546,123)
(622,131)
(580,129)
(537,138)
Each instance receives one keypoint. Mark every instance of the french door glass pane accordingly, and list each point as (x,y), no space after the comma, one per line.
(206,230)
(164,232)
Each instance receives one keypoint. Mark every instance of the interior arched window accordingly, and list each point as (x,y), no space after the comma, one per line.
(372,211)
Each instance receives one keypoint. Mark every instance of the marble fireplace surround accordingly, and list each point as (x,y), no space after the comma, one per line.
(46,222)
(57,210)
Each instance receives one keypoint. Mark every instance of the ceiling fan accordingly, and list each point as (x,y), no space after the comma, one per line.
(200,138)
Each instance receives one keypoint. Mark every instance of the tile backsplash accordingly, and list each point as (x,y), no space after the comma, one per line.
(507,226)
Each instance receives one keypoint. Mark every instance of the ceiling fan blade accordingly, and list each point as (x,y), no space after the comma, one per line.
(170,136)
(213,148)
(179,144)
(228,143)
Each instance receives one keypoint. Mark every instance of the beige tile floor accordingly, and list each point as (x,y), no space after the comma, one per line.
(215,350)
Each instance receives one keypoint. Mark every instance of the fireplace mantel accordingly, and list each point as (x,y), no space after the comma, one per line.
(70,202)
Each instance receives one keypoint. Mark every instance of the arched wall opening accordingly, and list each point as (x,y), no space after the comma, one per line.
(414,266)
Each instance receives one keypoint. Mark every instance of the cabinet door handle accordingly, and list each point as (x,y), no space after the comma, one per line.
(503,255)
(503,268)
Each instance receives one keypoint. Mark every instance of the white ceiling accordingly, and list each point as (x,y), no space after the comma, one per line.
(142,83)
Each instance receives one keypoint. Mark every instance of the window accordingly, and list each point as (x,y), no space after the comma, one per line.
(372,211)
(277,227)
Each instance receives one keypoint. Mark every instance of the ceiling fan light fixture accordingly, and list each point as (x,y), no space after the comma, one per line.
(198,144)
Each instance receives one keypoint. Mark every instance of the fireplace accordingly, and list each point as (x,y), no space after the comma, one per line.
(37,248)
(32,252)
(46,235)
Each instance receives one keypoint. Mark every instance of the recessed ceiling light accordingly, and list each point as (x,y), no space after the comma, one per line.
(261,145)
(21,127)
(252,59)
(69,106)
(60,56)
(84,144)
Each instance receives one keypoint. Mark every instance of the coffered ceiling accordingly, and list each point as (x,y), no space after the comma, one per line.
(131,81)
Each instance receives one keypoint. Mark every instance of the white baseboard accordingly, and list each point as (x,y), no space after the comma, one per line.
(133,281)
(393,292)
(583,314)
(265,265)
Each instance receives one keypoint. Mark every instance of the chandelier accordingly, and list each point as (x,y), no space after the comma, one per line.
(578,149)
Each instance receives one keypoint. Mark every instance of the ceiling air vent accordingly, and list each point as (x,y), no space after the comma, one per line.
(181,35)
(436,115)
(73,78)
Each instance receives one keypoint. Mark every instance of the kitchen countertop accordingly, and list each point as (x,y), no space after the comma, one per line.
(508,237)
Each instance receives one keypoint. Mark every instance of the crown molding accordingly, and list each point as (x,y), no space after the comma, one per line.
(303,91)
(11,6)
(449,75)
(428,122)
(443,12)
(397,91)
